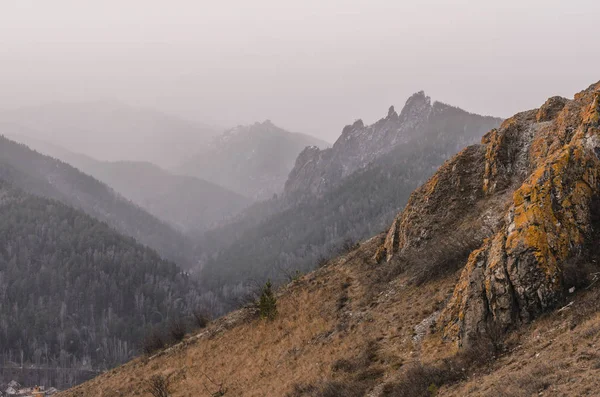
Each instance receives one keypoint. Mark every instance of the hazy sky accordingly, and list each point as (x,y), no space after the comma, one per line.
(308,65)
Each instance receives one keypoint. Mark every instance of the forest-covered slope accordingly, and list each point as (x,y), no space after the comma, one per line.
(73,292)
(48,177)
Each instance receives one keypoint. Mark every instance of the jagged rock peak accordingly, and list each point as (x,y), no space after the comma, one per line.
(359,144)
(416,101)
(523,206)
(392,113)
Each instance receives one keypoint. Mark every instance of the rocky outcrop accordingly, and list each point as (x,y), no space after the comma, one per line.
(529,194)
(317,171)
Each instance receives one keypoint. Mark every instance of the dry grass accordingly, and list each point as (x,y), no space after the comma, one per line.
(556,355)
(341,332)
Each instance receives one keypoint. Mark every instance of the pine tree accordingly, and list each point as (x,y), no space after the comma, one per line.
(267,304)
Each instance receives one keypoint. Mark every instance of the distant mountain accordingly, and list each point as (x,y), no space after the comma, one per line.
(48,177)
(317,171)
(314,219)
(111,131)
(74,294)
(187,203)
(252,160)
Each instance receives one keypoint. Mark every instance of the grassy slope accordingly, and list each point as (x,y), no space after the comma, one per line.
(348,323)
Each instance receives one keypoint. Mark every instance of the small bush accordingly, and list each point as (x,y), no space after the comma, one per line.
(221,389)
(420,380)
(177,330)
(158,386)
(348,245)
(153,342)
(267,303)
(201,319)
(322,261)
(343,365)
(578,272)
(329,389)
(342,300)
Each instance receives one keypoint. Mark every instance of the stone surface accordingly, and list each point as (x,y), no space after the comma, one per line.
(529,194)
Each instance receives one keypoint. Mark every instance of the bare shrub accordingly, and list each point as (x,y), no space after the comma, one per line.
(153,342)
(420,380)
(158,386)
(329,389)
(417,381)
(343,365)
(322,261)
(348,245)
(201,318)
(216,389)
(177,329)
(579,272)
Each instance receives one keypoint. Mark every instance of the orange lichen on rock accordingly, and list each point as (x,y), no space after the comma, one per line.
(450,192)
(548,222)
(540,168)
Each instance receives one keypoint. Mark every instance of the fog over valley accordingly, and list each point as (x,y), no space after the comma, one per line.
(320,198)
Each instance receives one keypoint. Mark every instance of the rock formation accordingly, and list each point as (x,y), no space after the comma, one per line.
(317,171)
(528,194)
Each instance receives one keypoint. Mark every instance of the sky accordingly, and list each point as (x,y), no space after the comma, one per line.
(310,66)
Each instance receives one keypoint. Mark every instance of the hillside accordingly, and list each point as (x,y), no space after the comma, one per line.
(189,204)
(110,130)
(302,227)
(74,294)
(252,160)
(485,285)
(47,177)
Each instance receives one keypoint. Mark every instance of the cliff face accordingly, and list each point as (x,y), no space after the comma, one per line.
(317,171)
(529,195)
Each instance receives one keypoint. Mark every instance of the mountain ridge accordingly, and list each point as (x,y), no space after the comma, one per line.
(48,177)
(316,170)
(252,160)
(189,204)
(294,231)
(111,130)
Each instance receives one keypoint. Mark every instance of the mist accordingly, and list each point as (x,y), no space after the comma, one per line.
(310,66)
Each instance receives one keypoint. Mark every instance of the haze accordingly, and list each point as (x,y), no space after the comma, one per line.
(310,66)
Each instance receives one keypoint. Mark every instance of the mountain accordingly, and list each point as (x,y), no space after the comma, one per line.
(189,204)
(74,294)
(47,177)
(313,221)
(110,131)
(252,160)
(445,302)
(317,171)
